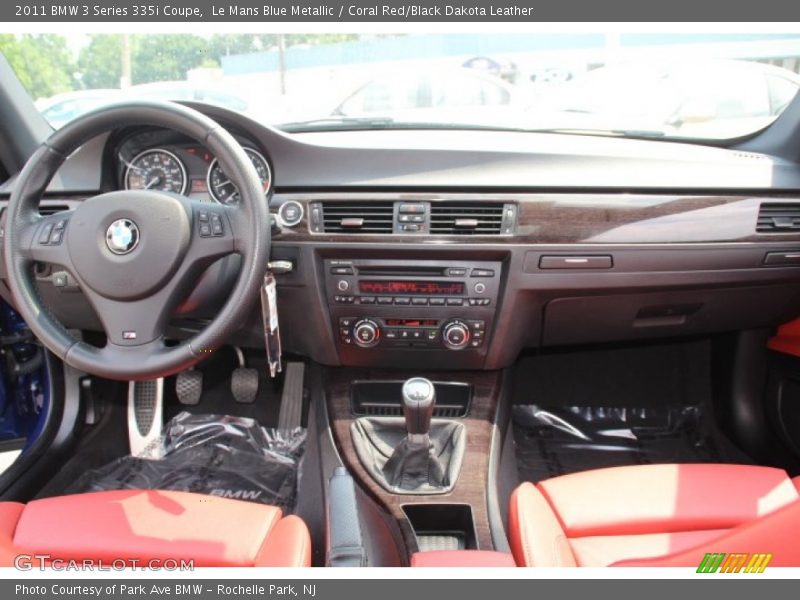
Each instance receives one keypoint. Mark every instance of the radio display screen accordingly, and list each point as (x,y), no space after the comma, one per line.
(433,288)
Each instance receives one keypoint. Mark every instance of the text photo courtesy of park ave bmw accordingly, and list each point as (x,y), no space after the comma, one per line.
(160,590)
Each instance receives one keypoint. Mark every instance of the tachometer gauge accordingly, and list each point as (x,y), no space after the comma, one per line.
(222,188)
(156,169)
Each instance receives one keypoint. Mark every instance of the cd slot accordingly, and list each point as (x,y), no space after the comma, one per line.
(401,270)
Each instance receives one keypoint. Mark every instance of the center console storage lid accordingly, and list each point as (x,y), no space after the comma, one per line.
(462,558)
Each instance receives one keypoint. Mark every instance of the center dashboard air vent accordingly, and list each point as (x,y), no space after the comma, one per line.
(421,217)
(357,217)
(778,217)
(467,218)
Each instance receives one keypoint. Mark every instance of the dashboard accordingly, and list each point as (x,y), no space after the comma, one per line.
(459,249)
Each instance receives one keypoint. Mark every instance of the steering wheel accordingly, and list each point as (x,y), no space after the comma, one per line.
(136,253)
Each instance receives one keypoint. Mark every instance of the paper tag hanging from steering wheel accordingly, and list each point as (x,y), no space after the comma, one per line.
(272,332)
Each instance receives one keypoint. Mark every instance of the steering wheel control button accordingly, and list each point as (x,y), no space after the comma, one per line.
(44,238)
(209,224)
(52,234)
(290,213)
(122,236)
(216,225)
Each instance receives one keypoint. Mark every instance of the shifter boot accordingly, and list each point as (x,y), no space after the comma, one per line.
(410,464)
(413,465)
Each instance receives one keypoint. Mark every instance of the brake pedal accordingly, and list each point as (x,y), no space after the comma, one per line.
(291,413)
(145,417)
(244,382)
(189,387)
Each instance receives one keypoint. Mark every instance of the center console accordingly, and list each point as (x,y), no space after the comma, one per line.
(412,311)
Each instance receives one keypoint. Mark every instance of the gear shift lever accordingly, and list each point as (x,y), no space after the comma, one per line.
(415,456)
(419,400)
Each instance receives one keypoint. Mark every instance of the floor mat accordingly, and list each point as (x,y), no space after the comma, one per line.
(611,407)
(226,456)
(553,441)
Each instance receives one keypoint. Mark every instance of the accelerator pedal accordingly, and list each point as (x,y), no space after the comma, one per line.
(244,381)
(145,417)
(189,387)
(291,414)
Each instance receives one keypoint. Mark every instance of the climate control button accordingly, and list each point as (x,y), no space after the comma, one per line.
(456,335)
(366,333)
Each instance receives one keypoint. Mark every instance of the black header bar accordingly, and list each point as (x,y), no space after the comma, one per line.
(355,11)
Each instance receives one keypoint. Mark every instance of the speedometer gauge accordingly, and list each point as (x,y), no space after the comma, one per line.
(156,169)
(222,188)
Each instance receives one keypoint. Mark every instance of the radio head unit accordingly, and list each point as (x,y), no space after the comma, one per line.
(404,305)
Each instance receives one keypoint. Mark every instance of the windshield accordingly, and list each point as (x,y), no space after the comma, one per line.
(714,86)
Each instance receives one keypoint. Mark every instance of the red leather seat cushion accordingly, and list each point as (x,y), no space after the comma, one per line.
(146,524)
(776,534)
(663,498)
(602,517)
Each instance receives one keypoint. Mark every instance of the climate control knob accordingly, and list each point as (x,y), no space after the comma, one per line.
(455,335)
(366,333)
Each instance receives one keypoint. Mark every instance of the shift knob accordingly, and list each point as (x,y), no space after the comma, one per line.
(419,399)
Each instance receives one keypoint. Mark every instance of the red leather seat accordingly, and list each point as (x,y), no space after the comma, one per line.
(656,515)
(144,525)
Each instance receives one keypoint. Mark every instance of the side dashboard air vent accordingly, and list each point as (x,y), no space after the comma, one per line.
(467,218)
(778,217)
(357,217)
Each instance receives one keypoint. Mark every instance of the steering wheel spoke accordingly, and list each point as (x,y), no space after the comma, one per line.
(133,322)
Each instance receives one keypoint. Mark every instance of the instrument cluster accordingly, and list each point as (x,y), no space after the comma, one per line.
(150,161)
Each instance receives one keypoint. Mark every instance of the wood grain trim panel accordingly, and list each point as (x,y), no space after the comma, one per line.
(571,218)
(473,480)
